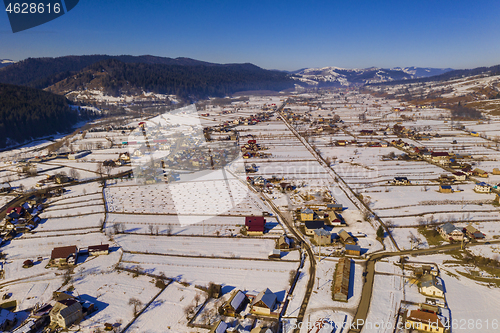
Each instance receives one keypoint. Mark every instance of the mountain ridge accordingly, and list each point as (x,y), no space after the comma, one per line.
(337,76)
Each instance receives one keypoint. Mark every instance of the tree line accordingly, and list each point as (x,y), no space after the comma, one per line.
(29,113)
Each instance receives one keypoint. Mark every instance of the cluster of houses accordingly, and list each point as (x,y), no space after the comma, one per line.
(445,187)
(452,233)
(264,305)
(62,312)
(20,219)
(428,316)
(317,223)
(252,149)
(68,255)
(266,184)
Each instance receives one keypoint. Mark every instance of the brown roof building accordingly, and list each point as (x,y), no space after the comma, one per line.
(342,279)
(64,255)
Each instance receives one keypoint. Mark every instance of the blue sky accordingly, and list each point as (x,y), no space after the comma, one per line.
(276,34)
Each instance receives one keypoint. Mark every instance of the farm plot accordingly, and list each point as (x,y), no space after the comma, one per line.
(198,246)
(387,296)
(241,274)
(89,199)
(322,297)
(481,306)
(78,193)
(76,211)
(167,313)
(204,197)
(111,293)
(88,221)
(4,199)
(26,248)
(37,290)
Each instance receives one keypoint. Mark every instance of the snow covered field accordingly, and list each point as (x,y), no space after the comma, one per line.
(201,246)
(242,274)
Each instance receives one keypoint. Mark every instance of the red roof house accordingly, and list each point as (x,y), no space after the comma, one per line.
(255,225)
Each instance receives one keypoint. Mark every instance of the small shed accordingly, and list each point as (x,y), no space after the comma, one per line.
(353,250)
(445,189)
(96,250)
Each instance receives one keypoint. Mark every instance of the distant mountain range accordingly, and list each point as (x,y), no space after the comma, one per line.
(335,76)
(6,62)
(194,79)
(115,75)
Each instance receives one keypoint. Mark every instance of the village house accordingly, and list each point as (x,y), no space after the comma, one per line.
(15,213)
(7,319)
(255,225)
(430,286)
(5,188)
(446,179)
(342,280)
(341,142)
(352,250)
(425,269)
(401,181)
(219,327)
(284,243)
(459,176)
(322,237)
(310,226)
(275,254)
(235,304)
(66,312)
(449,232)
(482,187)
(334,207)
(473,233)
(496,171)
(66,255)
(424,321)
(264,303)
(440,157)
(97,250)
(445,189)
(306,214)
(345,238)
(480,173)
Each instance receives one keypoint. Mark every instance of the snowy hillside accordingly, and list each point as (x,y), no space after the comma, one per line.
(337,76)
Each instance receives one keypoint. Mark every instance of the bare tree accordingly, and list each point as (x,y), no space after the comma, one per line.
(100,169)
(169,229)
(151,228)
(189,310)
(117,227)
(197,299)
(136,304)
(73,173)
(291,276)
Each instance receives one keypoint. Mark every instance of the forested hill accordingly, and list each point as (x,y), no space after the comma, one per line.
(27,113)
(116,77)
(181,76)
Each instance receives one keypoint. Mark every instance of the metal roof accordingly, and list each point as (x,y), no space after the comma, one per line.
(267,297)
